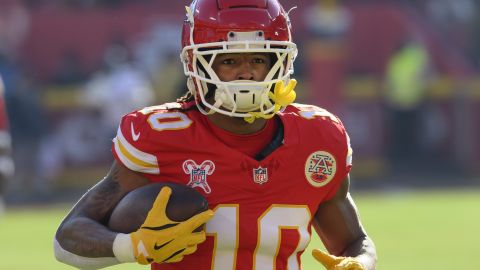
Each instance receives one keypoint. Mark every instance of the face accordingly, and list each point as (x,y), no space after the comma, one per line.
(242,66)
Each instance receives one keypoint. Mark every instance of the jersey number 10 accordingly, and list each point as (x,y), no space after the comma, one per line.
(276,218)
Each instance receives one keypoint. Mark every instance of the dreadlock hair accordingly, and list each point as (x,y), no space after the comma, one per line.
(189,97)
(186,98)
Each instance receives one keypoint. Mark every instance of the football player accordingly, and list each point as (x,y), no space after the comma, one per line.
(6,162)
(270,169)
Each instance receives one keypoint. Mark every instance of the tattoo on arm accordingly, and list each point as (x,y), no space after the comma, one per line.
(84,231)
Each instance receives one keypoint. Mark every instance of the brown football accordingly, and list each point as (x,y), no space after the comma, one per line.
(130,213)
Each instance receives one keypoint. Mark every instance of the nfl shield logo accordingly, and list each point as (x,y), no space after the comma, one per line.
(198,174)
(260,175)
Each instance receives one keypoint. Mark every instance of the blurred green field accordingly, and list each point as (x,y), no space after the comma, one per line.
(412,230)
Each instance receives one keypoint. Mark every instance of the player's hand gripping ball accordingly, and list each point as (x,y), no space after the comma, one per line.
(332,262)
(164,221)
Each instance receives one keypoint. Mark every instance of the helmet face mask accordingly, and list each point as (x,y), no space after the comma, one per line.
(203,41)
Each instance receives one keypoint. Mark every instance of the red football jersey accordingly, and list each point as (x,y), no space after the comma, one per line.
(263,209)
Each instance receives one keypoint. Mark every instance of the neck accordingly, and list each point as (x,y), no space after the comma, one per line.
(236,124)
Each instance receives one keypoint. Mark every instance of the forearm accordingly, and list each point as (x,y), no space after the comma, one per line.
(82,239)
(92,247)
(86,237)
(83,231)
(338,225)
(364,251)
(80,262)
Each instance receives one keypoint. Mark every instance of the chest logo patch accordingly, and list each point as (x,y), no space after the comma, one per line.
(198,174)
(260,175)
(320,168)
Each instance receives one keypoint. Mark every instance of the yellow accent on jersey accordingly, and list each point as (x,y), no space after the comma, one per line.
(133,158)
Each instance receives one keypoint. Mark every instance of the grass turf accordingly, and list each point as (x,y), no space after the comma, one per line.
(412,230)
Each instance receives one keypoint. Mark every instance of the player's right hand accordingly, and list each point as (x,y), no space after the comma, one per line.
(162,240)
(331,262)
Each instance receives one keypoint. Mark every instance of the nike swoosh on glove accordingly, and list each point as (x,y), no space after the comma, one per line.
(162,240)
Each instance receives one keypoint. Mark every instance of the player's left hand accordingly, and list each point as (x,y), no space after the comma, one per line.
(332,262)
(162,240)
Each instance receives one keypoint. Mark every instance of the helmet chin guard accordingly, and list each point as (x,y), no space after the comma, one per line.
(242,96)
(262,28)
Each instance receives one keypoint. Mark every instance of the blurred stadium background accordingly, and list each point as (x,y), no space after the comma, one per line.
(403,75)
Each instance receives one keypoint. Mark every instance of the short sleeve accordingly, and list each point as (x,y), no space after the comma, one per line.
(127,145)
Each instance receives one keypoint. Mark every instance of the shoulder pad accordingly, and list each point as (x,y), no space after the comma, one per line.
(311,112)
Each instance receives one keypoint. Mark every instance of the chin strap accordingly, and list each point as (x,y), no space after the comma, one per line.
(282,96)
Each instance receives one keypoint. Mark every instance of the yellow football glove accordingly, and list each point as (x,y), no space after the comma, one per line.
(161,240)
(332,262)
(282,96)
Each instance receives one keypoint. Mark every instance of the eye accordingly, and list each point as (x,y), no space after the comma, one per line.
(228,61)
(258,60)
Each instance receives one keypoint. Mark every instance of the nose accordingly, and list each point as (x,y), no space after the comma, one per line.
(245,71)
